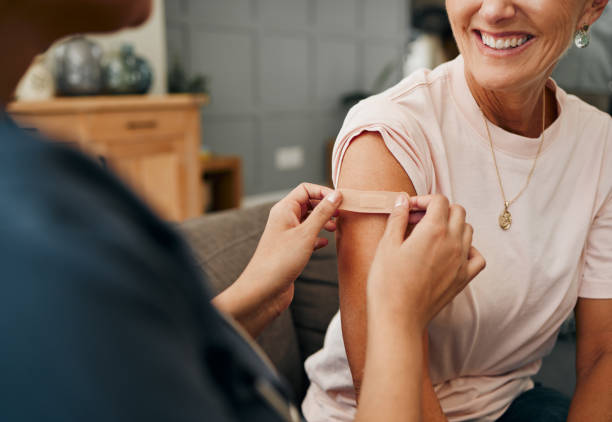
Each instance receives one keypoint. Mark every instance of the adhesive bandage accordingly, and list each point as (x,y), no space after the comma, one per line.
(369,202)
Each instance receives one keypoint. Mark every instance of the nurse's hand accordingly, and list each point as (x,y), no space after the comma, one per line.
(414,277)
(410,280)
(265,288)
(292,232)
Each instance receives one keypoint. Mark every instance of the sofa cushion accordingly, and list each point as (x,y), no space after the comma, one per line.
(223,244)
(316,298)
(315,301)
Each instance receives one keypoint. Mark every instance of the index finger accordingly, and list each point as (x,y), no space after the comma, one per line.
(305,192)
(437,208)
(299,199)
(420,202)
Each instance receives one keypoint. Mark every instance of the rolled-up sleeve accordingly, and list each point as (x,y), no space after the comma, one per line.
(597,274)
(400,133)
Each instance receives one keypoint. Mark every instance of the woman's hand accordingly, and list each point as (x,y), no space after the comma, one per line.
(410,281)
(292,234)
(416,277)
(265,288)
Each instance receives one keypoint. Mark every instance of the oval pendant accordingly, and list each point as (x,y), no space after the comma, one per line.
(505,220)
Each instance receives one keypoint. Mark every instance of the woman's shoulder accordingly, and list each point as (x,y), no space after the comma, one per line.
(422,88)
(421,83)
(583,116)
(591,130)
(401,123)
(405,106)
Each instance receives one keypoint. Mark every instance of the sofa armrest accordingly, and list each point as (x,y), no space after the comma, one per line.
(223,244)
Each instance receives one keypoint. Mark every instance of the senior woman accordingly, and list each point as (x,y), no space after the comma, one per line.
(532,167)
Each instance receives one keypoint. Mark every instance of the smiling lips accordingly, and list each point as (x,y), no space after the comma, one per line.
(504,42)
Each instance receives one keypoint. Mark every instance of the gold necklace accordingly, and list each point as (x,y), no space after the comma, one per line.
(505,219)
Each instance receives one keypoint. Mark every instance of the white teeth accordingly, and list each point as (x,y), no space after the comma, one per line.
(502,43)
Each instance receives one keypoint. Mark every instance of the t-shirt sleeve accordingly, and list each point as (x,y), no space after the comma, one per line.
(597,275)
(596,281)
(400,132)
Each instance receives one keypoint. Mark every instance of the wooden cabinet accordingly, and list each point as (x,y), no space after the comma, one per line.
(151,142)
(222,181)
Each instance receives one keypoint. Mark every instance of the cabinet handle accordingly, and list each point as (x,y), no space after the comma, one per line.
(141,124)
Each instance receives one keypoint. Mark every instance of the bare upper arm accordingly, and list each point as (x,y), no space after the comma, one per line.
(367,165)
(594,332)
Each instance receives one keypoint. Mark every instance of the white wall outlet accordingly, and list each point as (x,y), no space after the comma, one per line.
(289,158)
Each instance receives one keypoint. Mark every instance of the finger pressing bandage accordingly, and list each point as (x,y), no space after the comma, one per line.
(369,202)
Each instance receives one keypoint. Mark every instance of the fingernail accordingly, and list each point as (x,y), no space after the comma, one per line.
(401,201)
(333,197)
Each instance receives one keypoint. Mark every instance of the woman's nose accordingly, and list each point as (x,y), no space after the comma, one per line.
(494,11)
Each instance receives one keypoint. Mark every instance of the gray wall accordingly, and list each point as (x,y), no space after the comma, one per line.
(277,69)
(589,71)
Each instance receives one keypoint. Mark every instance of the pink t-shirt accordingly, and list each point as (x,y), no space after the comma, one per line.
(490,340)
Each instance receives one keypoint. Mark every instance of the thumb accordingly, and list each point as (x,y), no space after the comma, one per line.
(322,213)
(397,224)
(476,263)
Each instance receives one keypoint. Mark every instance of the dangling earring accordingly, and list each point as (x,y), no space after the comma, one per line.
(582,38)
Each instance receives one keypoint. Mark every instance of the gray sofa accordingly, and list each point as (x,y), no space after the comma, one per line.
(224,242)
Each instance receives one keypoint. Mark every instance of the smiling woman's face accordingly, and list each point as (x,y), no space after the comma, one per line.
(513,44)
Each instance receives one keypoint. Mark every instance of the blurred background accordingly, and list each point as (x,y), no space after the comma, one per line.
(269,80)
(277,73)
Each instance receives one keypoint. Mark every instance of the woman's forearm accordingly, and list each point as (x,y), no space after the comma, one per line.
(432,411)
(251,306)
(391,388)
(593,397)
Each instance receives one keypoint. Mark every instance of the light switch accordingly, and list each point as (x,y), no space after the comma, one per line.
(289,158)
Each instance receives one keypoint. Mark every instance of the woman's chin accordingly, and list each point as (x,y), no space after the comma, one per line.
(493,80)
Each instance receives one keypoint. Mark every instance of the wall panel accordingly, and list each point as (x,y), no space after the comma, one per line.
(337,15)
(284,71)
(226,59)
(221,11)
(277,70)
(336,71)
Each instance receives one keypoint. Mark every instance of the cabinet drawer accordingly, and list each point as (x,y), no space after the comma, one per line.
(134,125)
(59,127)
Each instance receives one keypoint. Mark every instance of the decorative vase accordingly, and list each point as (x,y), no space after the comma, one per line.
(37,84)
(77,67)
(126,73)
